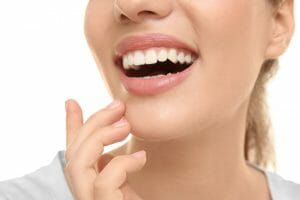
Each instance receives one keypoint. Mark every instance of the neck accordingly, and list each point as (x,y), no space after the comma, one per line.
(199,163)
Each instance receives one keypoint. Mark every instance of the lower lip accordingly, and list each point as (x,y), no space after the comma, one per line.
(155,85)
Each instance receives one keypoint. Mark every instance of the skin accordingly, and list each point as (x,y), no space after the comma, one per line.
(196,149)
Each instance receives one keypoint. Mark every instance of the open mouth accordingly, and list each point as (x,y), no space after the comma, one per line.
(155,62)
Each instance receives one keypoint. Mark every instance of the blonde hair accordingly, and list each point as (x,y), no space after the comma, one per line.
(259,141)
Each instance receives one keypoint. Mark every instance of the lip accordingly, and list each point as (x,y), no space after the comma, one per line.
(146,41)
(154,85)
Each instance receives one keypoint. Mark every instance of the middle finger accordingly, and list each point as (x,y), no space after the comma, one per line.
(99,119)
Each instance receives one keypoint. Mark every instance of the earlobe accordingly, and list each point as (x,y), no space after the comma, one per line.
(282,29)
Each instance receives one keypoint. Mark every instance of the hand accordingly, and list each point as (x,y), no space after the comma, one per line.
(91,175)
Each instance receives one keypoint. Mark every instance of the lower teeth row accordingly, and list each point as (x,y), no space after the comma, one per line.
(159,75)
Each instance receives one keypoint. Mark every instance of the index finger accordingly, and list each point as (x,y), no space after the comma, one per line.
(74,120)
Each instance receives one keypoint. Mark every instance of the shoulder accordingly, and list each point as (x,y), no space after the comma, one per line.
(282,188)
(47,183)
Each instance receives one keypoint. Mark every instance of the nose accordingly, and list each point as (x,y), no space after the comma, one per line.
(136,11)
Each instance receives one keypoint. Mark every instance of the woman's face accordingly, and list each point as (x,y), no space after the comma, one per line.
(229,38)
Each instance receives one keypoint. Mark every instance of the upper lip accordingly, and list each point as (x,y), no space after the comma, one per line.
(146,41)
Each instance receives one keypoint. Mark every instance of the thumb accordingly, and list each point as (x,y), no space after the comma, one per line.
(74,120)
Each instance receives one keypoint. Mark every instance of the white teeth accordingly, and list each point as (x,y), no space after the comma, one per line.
(135,59)
(153,76)
(136,67)
(172,55)
(139,58)
(162,55)
(125,62)
(151,57)
(180,57)
(130,59)
(188,58)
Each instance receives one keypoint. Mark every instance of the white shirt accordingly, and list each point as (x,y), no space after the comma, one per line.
(49,183)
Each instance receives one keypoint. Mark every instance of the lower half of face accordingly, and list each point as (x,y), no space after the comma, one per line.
(230,36)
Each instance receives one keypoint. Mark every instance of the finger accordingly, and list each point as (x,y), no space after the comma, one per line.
(114,174)
(92,147)
(102,118)
(102,162)
(81,170)
(74,120)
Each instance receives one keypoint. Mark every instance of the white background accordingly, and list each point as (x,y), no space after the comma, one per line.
(44,60)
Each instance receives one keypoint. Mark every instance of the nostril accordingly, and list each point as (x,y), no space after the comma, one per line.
(123,17)
(138,17)
(146,12)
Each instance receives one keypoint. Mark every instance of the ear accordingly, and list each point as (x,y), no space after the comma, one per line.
(283,26)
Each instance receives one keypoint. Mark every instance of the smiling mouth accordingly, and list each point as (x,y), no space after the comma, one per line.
(155,62)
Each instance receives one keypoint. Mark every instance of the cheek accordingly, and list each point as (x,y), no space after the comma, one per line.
(99,21)
(232,36)
(232,27)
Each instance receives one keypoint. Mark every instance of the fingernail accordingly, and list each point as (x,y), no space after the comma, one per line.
(122,122)
(113,104)
(139,154)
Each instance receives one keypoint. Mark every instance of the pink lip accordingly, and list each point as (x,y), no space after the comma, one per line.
(141,42)
(155,85)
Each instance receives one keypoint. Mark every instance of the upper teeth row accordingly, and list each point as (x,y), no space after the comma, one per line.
(151,56)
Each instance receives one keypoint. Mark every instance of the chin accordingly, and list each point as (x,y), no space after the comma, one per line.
(157,120)
(154,130)
(153,120)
